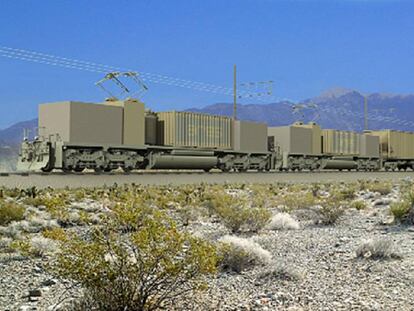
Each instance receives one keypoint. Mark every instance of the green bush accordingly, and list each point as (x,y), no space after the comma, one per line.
(300,200)
(403,211)
(359,205)
(10,212)
(330,211)
(347,193)
(383,188)
(137,260)
(238,215)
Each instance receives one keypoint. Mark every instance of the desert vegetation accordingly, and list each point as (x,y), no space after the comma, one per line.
(140,247)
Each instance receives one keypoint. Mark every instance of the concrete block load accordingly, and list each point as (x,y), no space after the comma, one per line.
(133,121)
(249,136)
(292,139)
(81,123)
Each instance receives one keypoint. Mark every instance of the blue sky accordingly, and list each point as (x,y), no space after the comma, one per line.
(304,46)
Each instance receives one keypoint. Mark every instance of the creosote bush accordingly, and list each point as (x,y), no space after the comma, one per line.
(300,200)
(330,210)
(382,188)
(238,254)
(359,205)
(10,212)
(238,214)
(403,211)
(136,260)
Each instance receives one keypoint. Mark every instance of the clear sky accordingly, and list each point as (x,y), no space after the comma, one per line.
(304,46)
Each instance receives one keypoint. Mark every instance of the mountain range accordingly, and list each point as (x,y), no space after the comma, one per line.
(336,108)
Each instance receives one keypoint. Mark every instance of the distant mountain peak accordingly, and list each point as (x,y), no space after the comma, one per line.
(336,92)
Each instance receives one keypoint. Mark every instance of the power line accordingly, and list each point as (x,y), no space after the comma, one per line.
(48,59)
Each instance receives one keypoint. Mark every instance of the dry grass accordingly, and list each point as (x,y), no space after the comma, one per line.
(238,254)
(380,248)
(283,221)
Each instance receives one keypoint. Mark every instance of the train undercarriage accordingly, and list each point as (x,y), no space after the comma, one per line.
(47,156)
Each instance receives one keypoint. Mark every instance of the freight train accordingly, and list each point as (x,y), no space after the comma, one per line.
(74,136)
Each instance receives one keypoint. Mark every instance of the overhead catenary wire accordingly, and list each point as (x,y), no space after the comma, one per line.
(95,67)
(48,59)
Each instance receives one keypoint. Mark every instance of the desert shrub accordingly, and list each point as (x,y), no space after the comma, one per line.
(5,243)
(403,211)
(37,246)
(347,193)
(10,212)
(36,202)
(359,205)
(11,231)
(293,201)
(382,188)
(281,271)
(237,214)
(57,207)
(283,221)
(42,223)
(329,211)
(56,234)
(137,260)
(237,254)
(377,249)
(41,246)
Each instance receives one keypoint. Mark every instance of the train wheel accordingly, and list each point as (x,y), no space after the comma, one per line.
(46,169)
(78,169)
(127,169)
(107,170)
(98,169)
(67,170)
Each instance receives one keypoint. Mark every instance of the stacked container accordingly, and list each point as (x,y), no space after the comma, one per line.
(396,144)
(187,129)
(337,142)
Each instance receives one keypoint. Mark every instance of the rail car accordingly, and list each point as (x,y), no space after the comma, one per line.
(74,136)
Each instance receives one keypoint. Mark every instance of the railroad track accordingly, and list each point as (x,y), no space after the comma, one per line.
(61,180)
(146,172)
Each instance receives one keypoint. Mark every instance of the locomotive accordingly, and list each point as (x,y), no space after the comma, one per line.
(122,134)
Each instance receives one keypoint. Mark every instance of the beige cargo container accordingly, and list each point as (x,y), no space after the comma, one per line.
(250,136)
(151,120)
(81,123)
(395,144)
(187,129)
(133,121)
(292,139)
(316,135)
(337,142)
(369,146)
